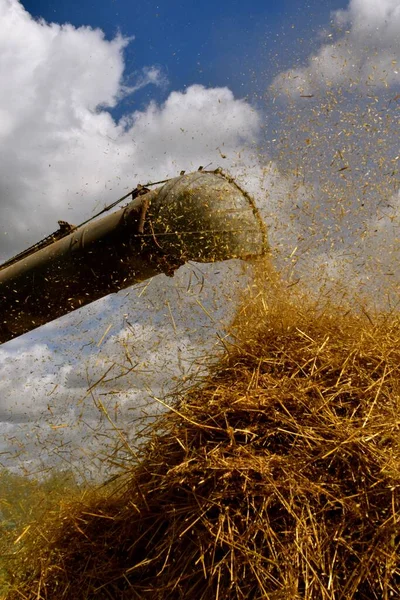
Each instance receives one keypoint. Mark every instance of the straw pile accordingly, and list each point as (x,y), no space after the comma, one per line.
(279,478)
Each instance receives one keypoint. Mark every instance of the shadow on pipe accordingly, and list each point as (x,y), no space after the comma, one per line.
(203,217)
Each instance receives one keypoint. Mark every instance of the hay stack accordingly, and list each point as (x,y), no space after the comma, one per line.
(278,479)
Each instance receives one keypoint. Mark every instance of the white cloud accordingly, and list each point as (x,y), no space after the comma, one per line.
(378,257)
(365,55)
(62,155)
(339,135)
(136,345)
(27,376)
(149,75)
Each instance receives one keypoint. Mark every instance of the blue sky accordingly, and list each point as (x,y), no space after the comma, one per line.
(242,45)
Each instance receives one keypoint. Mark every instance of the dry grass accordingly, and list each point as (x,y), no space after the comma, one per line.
(279,478)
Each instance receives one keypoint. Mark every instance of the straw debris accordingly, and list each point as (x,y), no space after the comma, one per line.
(278,478)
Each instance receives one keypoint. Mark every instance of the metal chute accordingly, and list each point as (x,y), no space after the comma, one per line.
(202,216)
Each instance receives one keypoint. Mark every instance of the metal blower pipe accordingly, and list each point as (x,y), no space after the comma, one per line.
(203,216)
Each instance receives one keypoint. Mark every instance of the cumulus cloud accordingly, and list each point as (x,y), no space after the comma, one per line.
(51,401)
(133,347)
(149,337)
(62,154)
(362,52)
(21,372)
(370,268)
(339,137)
(326,200)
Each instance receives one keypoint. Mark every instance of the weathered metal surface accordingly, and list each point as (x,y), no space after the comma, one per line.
(201,216)
(206,217)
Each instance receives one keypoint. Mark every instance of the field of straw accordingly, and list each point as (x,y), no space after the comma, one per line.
(277,478)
